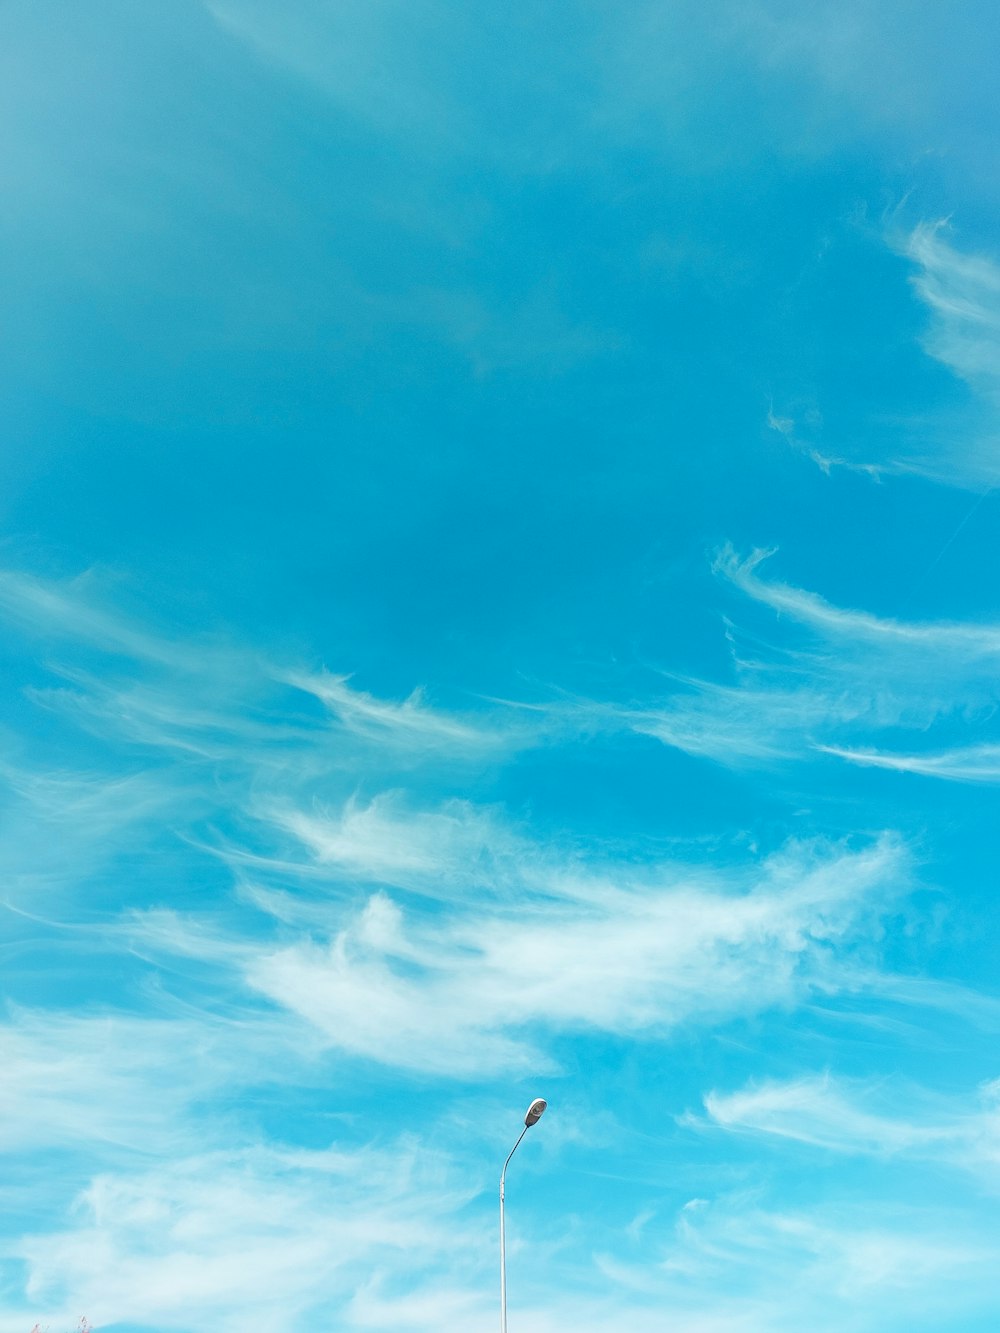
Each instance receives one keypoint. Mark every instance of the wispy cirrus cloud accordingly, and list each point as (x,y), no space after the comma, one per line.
(194,736)
(234,732)
(257,1233)
(958,444)
(390,1236)
(122,1084)
(436,852)
(781,1268)
(789,429)
(971,763)
(360,917)
(228,690)
(486,984)
(964,644)
(883,1118)
(502,944)
(961,291)
(73,609)
(410,724)
(837,681)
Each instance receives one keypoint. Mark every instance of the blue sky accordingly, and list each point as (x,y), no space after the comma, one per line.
(498,599)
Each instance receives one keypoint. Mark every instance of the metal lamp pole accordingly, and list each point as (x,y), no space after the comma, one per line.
(532,1117)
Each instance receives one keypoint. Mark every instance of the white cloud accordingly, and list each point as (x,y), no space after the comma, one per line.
(962,293)
(430,935)
(412,724)
(480,984)
(211,697)
(878,1119)
(846,676)
(233,728)
(959,446)
(266,1236)
(391,1237)
(788,429)
(115,1083)
(434,852)
(831,1268)
(208,742)
(523,941)
(734,1262)
(962,642)
(69,610)
(972,763)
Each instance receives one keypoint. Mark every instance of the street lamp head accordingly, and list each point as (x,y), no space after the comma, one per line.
(535,1112)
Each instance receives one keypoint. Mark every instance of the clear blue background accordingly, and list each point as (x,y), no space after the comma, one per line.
(402,718)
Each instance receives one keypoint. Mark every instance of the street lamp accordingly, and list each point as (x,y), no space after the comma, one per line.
(532,1117)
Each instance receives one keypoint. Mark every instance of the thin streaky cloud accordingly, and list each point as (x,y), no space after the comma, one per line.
(786,427)
(776,1268)
(962,640)
(479,985)
(227,1235)
(831,678)
(383,840)
(386,1236)
(973,763)
(71,609)
(961,292)
(409,723)
(883,1118)
(239,692)
(119,1084)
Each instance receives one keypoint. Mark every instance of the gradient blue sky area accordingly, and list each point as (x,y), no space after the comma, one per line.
(499,598)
